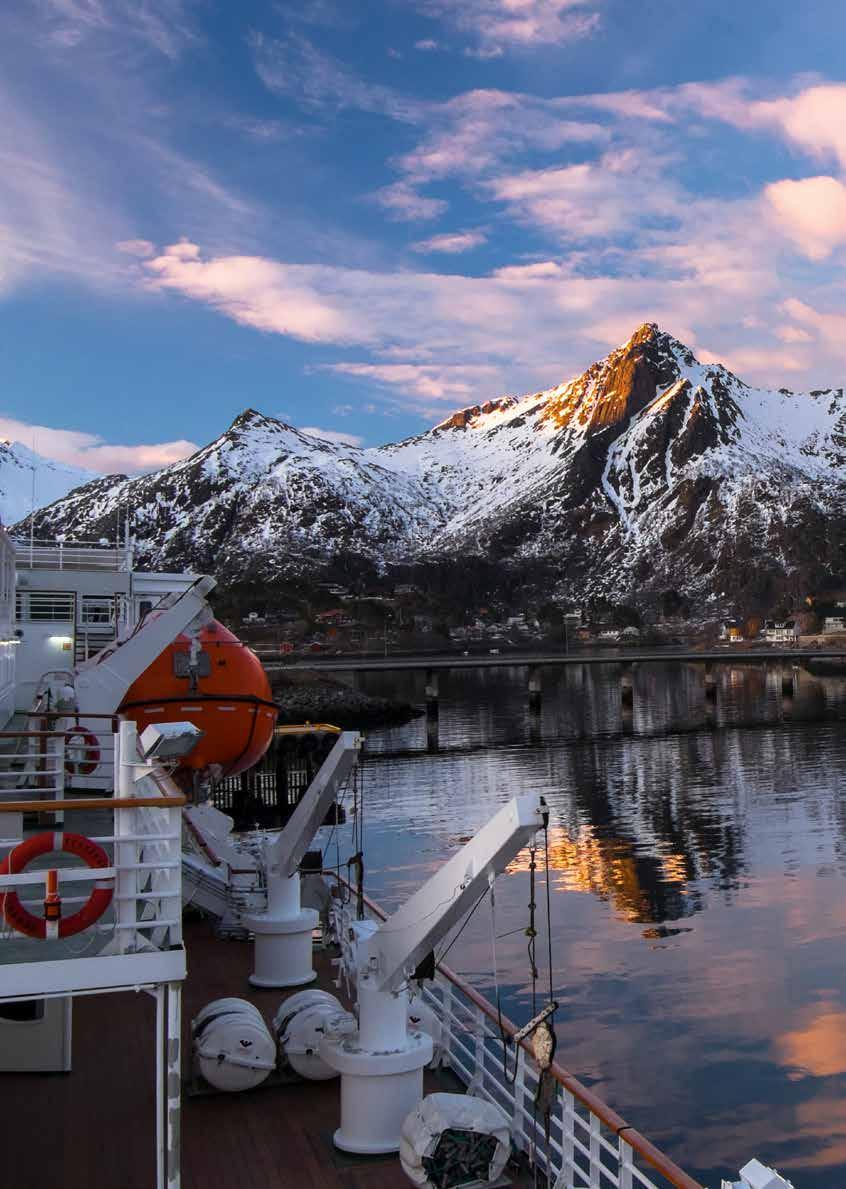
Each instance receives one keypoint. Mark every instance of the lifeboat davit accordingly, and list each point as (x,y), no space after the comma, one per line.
(219,685)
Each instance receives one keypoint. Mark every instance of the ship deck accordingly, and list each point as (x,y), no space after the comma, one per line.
(95,1126)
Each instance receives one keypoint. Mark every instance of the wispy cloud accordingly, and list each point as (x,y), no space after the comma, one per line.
(405,204)
(294,66)
(474,133)
(518,23)
(163,25)
(90,451)
(593,200)
(515,325)
(263,131)
(451,243)
(136,247)
(454,383)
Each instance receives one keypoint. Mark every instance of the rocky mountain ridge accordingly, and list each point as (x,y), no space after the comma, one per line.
(650,471)
(29,480)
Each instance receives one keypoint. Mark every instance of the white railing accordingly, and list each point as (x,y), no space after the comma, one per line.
(89,746)
(138,939)
(32,764)
(44,606)
(97,611)
(71,555)
(587,1144)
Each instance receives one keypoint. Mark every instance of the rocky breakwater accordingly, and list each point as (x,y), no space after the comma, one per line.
(309,696)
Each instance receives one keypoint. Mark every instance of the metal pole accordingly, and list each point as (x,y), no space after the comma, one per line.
(173,1067)
(161,1086)
(32,516)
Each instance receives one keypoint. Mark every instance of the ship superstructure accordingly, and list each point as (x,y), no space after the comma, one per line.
(73,598)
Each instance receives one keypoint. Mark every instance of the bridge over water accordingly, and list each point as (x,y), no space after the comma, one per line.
(401,663)
(627,661)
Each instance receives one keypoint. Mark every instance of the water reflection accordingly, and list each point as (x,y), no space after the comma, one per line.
(698,894)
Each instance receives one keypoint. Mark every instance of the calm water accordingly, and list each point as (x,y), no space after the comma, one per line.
(698,890)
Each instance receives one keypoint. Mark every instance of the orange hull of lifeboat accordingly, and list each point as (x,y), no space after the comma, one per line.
(227,695)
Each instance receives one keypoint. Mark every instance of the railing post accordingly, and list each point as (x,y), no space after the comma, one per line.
(566,1174)
(446,1033)
(626,1159)
(518,1113)
(595,1150)
(478,1051)
(126,853)
(56,760)
(174,876)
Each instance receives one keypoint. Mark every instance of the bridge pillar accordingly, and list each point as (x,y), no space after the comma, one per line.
(535,689)
(789,680)
(432,730)
(627,697)
(710,682)
(432,690)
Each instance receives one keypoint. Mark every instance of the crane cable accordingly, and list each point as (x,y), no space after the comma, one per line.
(543,1033)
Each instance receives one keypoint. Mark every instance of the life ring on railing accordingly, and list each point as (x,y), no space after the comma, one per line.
(22,919)
(89,748)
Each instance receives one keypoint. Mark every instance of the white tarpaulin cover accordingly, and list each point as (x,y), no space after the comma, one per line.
(422,1130)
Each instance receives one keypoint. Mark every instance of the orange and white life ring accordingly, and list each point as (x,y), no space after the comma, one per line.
(22,919)
(88,749)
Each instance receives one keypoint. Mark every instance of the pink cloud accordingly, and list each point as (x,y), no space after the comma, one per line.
(469,135)
(255,292)
(527,274)
(815,119)
(793,334)
(746,361)
(403,203)
(136,247)
(438,382)
(436,337)
(594,199)
(451,243)
(829,327)
(91,452)
(811,212)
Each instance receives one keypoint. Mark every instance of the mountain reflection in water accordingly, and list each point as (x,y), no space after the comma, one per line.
(698,877)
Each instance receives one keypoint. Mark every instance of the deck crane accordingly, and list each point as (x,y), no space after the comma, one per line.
(381,1062)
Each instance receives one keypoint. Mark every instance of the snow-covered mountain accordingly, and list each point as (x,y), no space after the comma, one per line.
(53,480)
(648,472)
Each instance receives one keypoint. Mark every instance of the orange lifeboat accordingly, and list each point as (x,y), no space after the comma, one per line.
(219,685)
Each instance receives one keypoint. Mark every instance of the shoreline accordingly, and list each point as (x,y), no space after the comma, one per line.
(308,696)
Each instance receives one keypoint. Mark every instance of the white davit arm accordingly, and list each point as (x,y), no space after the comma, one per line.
(102,683)
(400,944)
(286,853)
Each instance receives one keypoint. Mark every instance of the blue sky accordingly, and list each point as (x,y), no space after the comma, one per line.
(358,216)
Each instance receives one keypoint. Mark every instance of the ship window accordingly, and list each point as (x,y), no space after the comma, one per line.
(25,1011)
(182,661)
(144,608)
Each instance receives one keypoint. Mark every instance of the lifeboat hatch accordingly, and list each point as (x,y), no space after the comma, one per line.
(182,664)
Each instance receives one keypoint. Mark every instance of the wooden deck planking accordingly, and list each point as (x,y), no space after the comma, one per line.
(94,1128)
